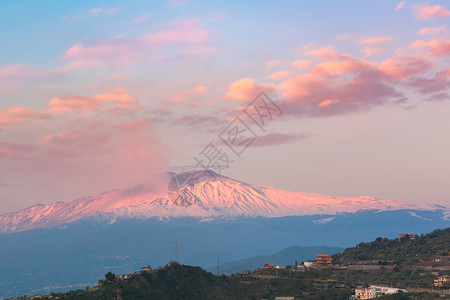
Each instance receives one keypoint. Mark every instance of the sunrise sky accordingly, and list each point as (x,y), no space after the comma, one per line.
(107,94)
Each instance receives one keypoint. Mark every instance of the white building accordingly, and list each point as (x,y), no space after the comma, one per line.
(385,290)
(309,264)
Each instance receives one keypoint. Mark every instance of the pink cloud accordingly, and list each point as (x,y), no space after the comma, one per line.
(344,84)
(118,50)
(116,77)
(192,95)
(300,86)
(111,10)
(14,71)
(341,67)
(432,30)
(335,97)
(280,75)
(301,64)
(275,62)
(140,19)
(327,53)
(369,51)
(375,40)
(430,85)
(19,115)
(403,66)
(436,47)
(276,138)
(246,89)
(198,120)
(12,76)
(400,5)
(20,150)
(96,11)
(86,157)
(444,74)
(441,97)
(328,102)
(346,37)
(185,36)
(119,99)
(424,11)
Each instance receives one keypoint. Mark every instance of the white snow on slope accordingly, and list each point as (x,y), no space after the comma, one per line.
(205,195)
(417,216)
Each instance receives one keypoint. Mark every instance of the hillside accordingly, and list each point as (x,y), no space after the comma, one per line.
(176,282)
(415,274)
(93,248)
(406,249)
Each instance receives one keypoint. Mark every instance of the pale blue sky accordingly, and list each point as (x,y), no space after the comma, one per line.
(366,114)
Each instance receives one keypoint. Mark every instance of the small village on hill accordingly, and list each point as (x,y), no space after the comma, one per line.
(408,267)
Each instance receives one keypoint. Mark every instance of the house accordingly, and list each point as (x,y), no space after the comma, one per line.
(364,293)
(409,235)
(146,269)
(268,266)
(309,264)
(380,290)
(122,277)
(323,260)
(442,280)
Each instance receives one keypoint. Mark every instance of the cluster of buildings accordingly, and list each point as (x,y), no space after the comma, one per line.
(442,281)
(124,277)
(409,235)
(322,260)
(374,291)
(272,266)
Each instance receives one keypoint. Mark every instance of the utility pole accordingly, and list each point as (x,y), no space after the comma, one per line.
(176,251)
(218,267)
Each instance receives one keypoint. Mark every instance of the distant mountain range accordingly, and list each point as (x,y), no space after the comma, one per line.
(199,194)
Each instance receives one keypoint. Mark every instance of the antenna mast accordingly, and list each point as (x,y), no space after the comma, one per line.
(218,267)
(176,251)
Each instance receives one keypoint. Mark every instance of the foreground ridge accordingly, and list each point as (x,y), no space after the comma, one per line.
(385,268)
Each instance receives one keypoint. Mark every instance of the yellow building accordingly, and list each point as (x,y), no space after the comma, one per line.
(441,280)
(364,293)
(323,260)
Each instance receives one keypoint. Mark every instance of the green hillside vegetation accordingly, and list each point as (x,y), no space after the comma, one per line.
(176,281)
(436,243)
(410,264)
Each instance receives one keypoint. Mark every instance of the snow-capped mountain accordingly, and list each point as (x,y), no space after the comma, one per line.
(201,194)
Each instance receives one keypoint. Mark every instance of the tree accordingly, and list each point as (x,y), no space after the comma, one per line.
(110,277)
